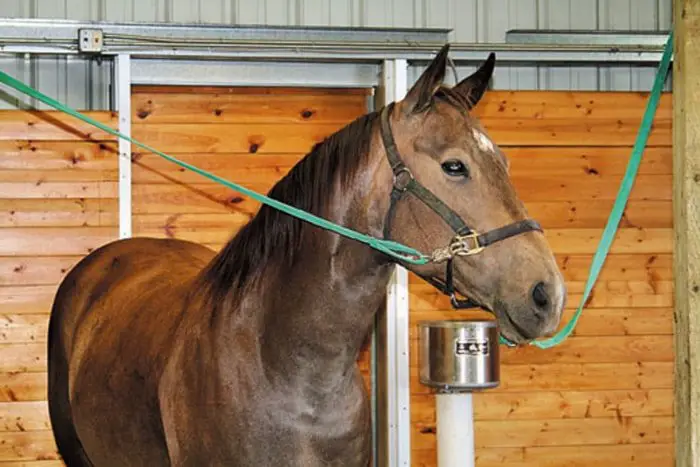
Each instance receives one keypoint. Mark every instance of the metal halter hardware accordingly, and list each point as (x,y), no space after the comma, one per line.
(466,241)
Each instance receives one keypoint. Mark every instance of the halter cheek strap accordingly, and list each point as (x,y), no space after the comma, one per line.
(466,242)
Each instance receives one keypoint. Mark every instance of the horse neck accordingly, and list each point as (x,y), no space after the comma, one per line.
(311,315)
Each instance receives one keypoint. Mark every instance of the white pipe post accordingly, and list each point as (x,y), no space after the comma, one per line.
(123,102)
(398,381)
(455,429)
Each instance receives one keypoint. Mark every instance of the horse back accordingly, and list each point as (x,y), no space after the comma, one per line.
(111,332)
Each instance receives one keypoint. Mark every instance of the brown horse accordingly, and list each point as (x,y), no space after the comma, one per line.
(163,352)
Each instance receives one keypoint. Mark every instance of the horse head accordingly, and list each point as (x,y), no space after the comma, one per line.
(451,195)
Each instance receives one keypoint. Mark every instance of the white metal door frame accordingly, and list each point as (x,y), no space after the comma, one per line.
(393,384)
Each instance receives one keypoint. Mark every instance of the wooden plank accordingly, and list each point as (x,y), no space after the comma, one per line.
(585,161)
(271,138)
(19,387)
(562,432)
(31,270)
(43,177)
(23,358)
(577,377)
(591,187)
(24,416)
(612,132)
(58,212)
(52,241)
(28,446)
(57,155)
(584,214)
(584,349)
(50,125)
(686,217)
(189,225)
(604,295)
(574,105)
(543,405)
(593,321)
(627,240)
(27,299)
(268,138)
(252,108)
(629,267)
(619,455)
(24,328)
(243,168)
(35,463)
(42,189)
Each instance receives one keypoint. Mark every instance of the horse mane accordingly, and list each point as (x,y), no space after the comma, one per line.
(273,236)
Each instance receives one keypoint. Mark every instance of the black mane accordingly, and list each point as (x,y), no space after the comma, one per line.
(272,235)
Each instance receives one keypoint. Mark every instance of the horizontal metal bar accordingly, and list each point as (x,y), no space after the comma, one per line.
(231,73)
(461,54)
(582,37)
(287,44)
(54,29)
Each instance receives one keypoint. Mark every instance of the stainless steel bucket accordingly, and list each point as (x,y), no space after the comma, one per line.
(459,355)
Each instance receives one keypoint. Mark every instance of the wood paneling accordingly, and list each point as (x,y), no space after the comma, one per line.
(610,385)
(604,397)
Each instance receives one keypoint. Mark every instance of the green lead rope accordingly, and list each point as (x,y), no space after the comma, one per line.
(622,197)
(397,250)
(391,248)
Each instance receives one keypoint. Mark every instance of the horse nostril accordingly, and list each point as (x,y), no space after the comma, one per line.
(539,295)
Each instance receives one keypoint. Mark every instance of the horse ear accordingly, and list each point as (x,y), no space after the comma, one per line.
(474,86)
(422,91)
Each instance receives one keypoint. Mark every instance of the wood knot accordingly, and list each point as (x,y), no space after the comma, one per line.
(428,429)
(255,142)
(306,113)
(592,171)
(218,112)
(235,200)
(143,113)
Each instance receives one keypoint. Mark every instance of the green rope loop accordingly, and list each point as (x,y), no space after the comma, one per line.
(620,202)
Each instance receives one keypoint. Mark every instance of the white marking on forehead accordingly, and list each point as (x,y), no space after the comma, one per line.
(483,141)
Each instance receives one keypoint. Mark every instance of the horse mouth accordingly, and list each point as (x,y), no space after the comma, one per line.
(510,329)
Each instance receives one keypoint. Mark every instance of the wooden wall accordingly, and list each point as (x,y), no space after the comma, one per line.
(58,198)
(604,397)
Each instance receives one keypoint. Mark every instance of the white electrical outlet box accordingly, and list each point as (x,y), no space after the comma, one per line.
(90,40)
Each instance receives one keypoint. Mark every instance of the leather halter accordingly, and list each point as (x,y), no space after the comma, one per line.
(466,241)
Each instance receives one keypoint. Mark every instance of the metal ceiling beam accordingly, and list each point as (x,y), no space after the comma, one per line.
(364,45)
(65,31)
(608,38)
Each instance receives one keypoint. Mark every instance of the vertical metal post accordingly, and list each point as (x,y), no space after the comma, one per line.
(122,80)
(393,378)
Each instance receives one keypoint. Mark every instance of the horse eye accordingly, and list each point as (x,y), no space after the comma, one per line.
(455,168)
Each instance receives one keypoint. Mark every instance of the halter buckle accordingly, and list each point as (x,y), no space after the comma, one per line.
(461,246)
(398,185)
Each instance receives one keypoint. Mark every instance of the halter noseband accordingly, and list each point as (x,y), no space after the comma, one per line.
(466,242)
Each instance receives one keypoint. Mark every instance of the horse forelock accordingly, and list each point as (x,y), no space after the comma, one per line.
(273,238)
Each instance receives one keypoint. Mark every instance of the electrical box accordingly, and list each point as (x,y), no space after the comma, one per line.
(90,40)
